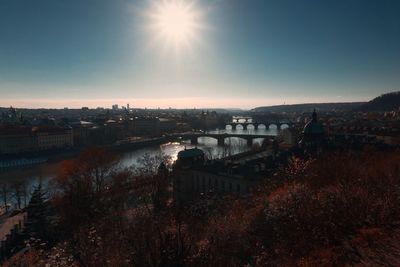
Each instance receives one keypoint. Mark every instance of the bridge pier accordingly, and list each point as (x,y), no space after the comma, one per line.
(233,126)
(221,141)
(278,126)
(255,126)
(249,142)
(244,126)
(193,140)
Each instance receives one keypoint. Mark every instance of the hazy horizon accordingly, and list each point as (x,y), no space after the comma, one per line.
(151,103)
(191,53)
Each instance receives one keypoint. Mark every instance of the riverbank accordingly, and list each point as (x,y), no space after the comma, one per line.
(9,162)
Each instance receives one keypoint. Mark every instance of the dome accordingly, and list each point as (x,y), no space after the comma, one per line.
(190,153)
(190,157)
(313,127)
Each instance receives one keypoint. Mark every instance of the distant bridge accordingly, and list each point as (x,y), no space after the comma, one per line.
(257,124)
(245,121)
(193,137)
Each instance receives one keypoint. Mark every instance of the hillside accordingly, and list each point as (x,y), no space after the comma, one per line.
(310,106)
(339,209)
(385,102)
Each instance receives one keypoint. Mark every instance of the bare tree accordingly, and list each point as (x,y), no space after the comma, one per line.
(19,191)
(152,179)
(5,193)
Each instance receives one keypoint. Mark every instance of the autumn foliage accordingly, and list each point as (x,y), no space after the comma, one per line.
(336,210)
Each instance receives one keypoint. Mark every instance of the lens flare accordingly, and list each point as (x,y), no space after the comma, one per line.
(176,22)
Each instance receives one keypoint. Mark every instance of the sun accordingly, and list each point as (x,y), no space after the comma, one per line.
(176,22)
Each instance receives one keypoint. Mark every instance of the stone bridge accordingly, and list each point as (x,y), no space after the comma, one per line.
(257,124)
(193,137)
(245,121)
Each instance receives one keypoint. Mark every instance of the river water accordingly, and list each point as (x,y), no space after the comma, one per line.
(32,175)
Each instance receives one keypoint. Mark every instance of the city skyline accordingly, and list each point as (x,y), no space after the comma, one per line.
(186,54)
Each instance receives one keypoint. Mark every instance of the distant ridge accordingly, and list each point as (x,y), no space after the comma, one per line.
(385,102)
(346,106)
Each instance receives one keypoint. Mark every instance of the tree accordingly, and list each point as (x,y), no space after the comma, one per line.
(19,190)
(83,185)
(5,192)
(153,181)
(38,213)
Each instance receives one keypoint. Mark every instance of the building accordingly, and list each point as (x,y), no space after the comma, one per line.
(23,139)
(151,126)
(11,117)
(194,176)
(167,125)
(313,133)
(145,126)
(53,137)
(113,131)
(17,139)
(82,132)
(209,119)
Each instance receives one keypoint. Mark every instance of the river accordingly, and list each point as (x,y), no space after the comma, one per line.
(30,176)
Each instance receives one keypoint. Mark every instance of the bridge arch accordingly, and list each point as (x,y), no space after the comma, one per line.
(194,140)
(244,125)
(249,138)
(274,125)
(252,125)
(241,126)
(263,126)
(257,141)
(285,125)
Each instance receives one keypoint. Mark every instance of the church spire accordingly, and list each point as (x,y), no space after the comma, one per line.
(314,115)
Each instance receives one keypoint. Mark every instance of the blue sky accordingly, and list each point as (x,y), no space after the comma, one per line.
(56,53)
